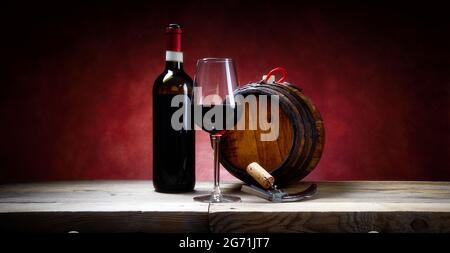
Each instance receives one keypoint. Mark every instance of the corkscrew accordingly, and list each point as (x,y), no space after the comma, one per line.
(269,190)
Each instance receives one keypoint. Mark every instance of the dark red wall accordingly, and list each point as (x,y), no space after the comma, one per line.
(76,82)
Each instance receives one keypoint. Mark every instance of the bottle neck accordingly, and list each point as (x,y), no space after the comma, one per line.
(174,53)
(174,65)
(174,60)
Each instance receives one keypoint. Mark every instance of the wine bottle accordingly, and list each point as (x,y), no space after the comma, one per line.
(173,149)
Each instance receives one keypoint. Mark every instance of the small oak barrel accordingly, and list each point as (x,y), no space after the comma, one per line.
(296,151)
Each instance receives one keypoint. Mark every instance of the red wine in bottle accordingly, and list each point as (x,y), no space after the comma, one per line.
(173,150)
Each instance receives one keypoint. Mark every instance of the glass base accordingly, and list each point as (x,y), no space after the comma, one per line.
(213,198)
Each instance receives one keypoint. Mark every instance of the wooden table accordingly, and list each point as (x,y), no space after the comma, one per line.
(133,206)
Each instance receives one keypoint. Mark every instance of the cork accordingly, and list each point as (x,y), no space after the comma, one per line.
(260,175)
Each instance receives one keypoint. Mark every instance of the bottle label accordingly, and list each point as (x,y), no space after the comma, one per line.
(174,56)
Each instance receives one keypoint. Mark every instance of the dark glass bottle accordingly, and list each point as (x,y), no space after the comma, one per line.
(173,149)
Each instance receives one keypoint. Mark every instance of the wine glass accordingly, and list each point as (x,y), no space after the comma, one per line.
(214,83)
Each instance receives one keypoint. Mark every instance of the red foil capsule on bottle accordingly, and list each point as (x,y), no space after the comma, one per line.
(174,31)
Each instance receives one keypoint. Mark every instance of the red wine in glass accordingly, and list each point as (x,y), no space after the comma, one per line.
(228,114)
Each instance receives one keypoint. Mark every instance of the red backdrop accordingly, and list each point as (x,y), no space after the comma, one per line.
(76,88)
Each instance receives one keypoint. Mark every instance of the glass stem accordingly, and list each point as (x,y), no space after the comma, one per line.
(215,138)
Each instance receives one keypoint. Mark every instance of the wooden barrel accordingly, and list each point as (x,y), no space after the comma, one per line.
(296,151)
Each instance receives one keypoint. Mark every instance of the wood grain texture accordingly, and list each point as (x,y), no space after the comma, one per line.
(105,222)
(343,207)
(242,147)
(100,206)
(133,206)
(298,147)
(330,222)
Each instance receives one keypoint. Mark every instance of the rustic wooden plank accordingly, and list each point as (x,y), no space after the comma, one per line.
(343,207)
(100,206)
(133,206)
(105,222)
(330,222)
